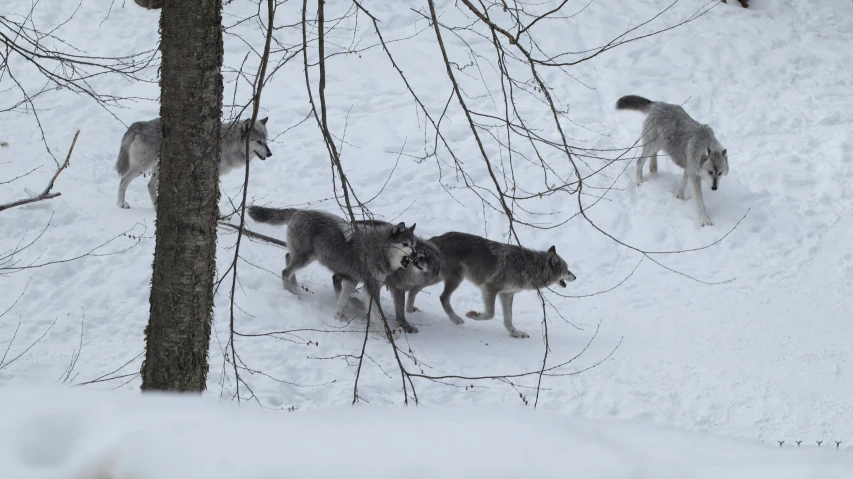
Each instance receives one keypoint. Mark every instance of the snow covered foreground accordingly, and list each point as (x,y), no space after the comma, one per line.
(60,434)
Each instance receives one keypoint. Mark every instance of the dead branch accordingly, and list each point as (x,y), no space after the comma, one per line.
(251,234)
(46,194)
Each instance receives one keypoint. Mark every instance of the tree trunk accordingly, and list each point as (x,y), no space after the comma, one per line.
(178,333)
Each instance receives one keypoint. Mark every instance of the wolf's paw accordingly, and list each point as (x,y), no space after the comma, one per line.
(413,309)
(124,205)
(407,327)
(479,316)
(457,320)
(639,181)
(706,221)
(679,195)
(515,333)
(291,288)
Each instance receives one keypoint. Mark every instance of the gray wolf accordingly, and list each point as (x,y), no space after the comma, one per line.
(140,151)
(423,271)
(690,144)
(498,269)
(365,255)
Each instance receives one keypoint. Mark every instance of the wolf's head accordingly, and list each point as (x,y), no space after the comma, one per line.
(713,166)
(399,246)
(425,264)
(257,137)
(558,270)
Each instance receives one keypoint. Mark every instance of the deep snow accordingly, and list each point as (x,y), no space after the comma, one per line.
(766,356)
(122,436)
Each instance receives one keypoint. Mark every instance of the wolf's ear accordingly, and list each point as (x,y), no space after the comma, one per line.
(247,125)
(724,153)
(264,121)
(412,228)
(552,250)
(399,229)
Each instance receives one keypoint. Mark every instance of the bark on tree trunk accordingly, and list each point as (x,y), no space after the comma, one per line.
(178,333)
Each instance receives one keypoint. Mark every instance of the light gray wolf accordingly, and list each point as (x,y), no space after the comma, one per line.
(690,144)
(422,272)
(498,269)
(140,151)
(365,255)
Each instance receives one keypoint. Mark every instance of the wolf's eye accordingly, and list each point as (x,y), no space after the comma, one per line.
(405,245)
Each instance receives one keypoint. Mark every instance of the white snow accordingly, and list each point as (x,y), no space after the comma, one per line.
(766,356)
(85,435)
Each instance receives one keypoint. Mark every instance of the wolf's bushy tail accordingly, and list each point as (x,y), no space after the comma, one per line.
(634,102)
(275,216)
(123,162)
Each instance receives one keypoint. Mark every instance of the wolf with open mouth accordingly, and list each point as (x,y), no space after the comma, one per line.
(422,269)
(500,270)
(368,254)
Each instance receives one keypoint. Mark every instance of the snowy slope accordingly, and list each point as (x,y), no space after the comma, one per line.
(118,436)
(765,356)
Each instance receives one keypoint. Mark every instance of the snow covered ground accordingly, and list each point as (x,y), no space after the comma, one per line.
(766,356)
(85,435)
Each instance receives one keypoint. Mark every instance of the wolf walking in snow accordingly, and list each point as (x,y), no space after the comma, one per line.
(499,270)
(140,151)
(366,255)
(690,144)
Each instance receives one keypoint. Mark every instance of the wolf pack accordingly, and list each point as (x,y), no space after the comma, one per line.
(375,253)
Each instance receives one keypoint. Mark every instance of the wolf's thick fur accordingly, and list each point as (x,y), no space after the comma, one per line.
(367,255)
(140,151)
(423,271)
(498,269)
(690,144)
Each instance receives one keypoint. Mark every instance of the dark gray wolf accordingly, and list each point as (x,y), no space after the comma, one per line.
(422,272)
(140,151)
(367,255)
(690,144)
(498,269)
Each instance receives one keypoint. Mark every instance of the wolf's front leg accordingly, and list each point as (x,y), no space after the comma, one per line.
(696,190)
(489,296)
(410,301)
(153,184)
(506,306)
(450,285)
(399,296)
